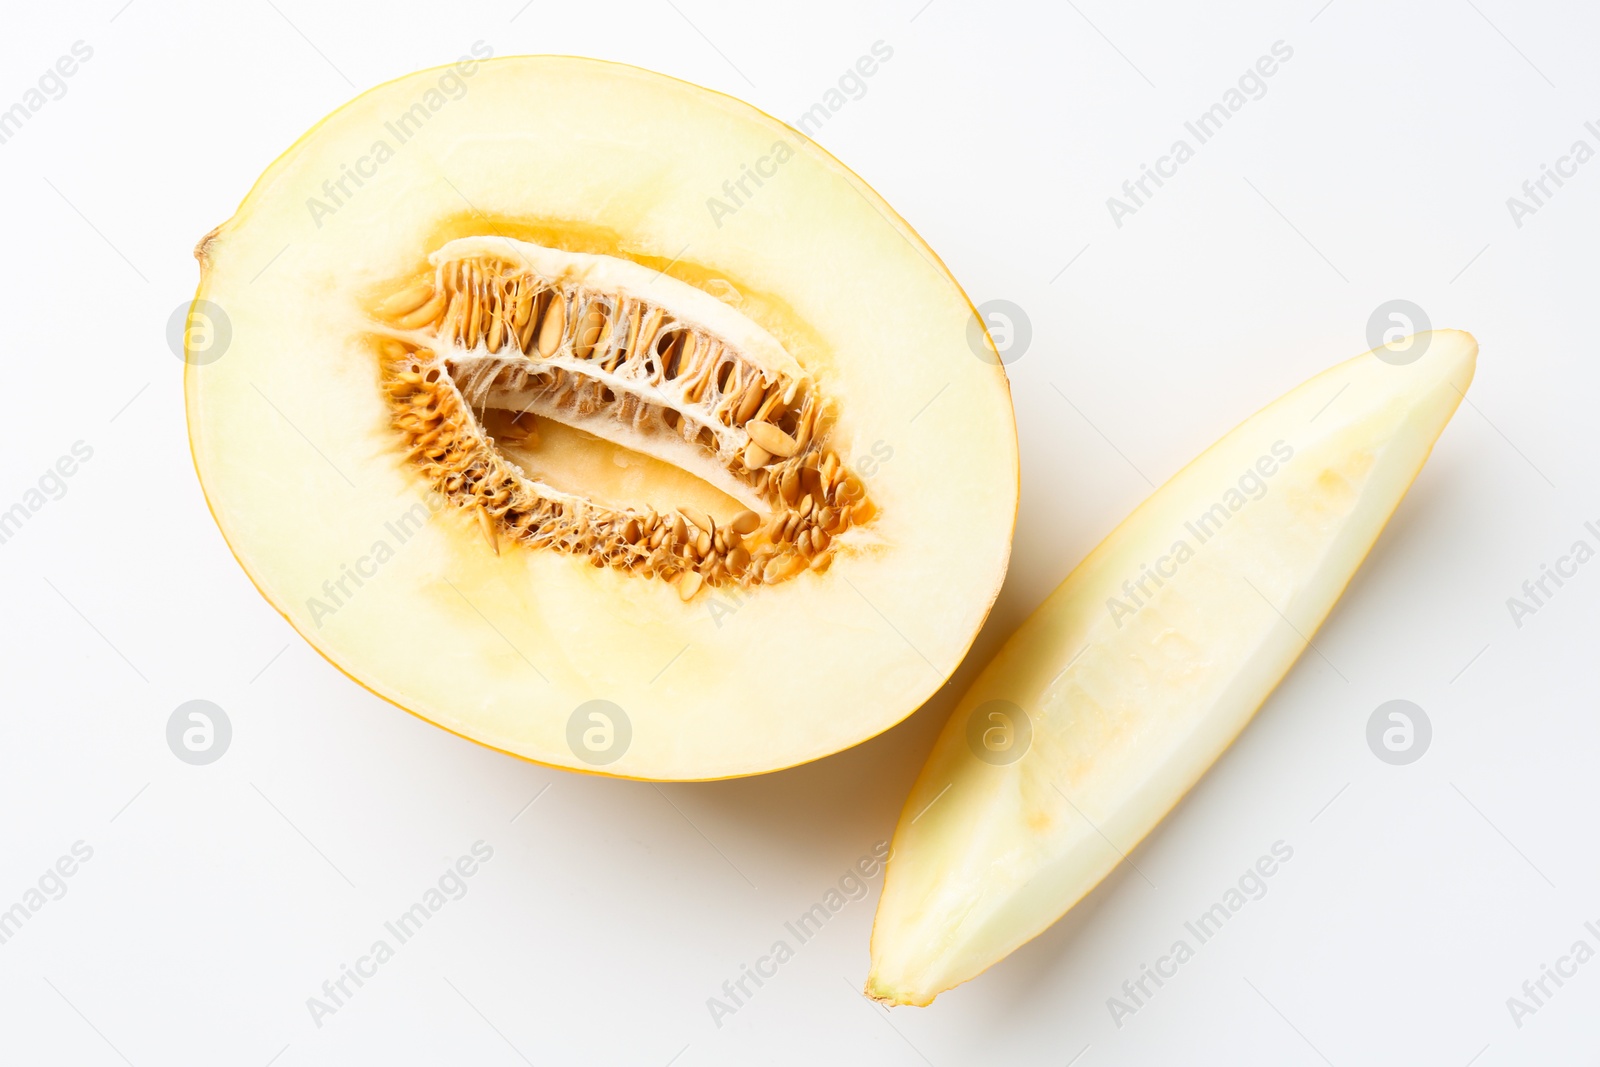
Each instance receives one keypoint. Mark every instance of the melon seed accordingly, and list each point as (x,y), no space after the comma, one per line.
(772,439)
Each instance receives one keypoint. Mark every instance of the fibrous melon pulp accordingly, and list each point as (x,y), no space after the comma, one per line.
(521,434)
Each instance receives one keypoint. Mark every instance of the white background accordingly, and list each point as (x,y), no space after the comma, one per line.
(1377,166)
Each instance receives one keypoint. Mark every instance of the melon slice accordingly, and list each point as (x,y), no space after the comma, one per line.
(1118,693)
(601,419)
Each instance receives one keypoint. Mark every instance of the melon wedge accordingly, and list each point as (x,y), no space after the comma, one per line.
(1118,693)
(601,419)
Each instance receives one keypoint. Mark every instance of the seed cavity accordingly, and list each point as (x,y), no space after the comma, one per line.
(506,332)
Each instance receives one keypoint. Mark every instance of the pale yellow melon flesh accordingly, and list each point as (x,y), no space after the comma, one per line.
(1132,691)
(299,462)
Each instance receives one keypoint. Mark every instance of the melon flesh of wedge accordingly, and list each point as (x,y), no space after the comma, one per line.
(601,419)
(1118,693)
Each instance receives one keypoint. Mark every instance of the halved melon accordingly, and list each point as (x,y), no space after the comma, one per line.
(601,419)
